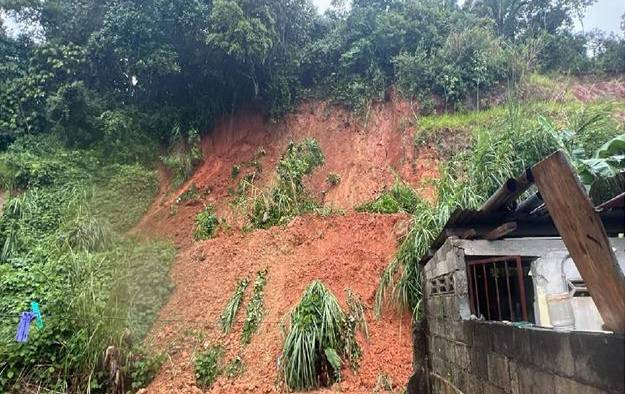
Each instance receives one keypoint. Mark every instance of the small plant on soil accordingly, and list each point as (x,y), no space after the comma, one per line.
(191,194)
(288,198)
(333,179)
(207,365)
(255,308)
(318,340)
(235,367)
(206,223)
(227,318)
(355,322)
(236,169)
(383,384)
(399,198)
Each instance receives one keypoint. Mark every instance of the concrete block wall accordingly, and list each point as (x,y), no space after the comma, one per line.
(471,356)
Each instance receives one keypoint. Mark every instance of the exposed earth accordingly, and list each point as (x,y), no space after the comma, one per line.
(344,250)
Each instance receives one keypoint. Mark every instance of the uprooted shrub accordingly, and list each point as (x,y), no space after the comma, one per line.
(288,198)
(320,337)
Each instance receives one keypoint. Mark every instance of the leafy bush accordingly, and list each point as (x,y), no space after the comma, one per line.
(206,223)
(319,335)
(255,308)
(207,365)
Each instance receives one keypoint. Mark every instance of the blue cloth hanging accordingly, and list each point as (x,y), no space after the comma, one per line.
(24,327)
(34,307)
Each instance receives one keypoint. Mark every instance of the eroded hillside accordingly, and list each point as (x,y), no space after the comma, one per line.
(345,249)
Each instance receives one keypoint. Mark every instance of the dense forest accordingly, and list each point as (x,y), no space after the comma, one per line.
(95,93)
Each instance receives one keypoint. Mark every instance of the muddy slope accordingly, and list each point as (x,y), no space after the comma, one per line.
(349,250)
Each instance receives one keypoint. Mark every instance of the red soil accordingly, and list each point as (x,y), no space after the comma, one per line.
(344,251)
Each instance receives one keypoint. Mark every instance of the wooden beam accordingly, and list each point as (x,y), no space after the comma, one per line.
(585,237)
(501,231)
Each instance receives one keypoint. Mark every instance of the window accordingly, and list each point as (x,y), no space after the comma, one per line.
(500,288)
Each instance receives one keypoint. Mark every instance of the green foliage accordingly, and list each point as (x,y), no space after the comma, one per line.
(319,335)
(143,367)
(399,198)
(126,195)
(227,318)
(207,365)
(288,198)
(255,308)
(206,223)
(63,245)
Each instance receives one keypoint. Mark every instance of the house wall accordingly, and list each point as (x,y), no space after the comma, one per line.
(471,356)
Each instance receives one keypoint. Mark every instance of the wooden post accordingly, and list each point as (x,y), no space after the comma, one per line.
(585,237)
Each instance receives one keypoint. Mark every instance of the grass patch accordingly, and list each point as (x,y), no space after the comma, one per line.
(401,197)
(230,312)
(63,244)
(255,308)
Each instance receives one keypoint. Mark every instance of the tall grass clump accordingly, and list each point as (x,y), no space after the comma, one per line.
(255,308)
(226,319)
(499,150)
(288,198)
(320,336)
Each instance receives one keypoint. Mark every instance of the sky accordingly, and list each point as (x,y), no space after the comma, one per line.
(603,15)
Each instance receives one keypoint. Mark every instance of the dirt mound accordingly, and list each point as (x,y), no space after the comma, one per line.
(589,90)
(342,251)
(367,157)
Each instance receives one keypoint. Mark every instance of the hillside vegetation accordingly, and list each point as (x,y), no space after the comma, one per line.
(129,162)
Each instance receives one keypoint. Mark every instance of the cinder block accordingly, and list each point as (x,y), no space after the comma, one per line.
(461,285)
(478,362)
(492,389)
(512,342)
(461,357)
(551,350)
(459,378)
(599,360)
(498,369)
(568,386)
(534,381)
